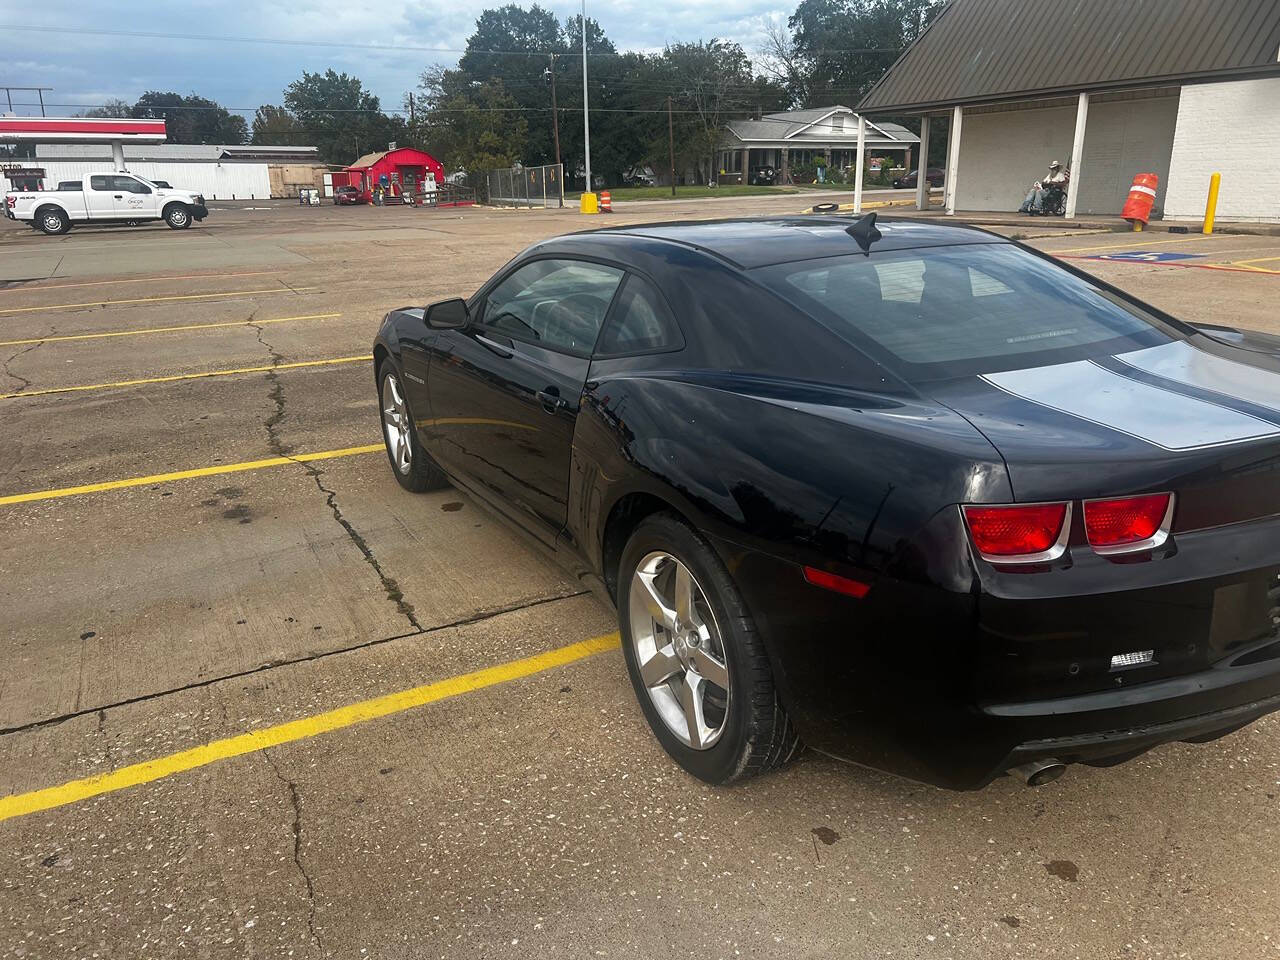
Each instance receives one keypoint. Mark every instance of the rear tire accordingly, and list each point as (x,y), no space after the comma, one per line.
(177,216)
(743,728)
(53,221)
(413,468)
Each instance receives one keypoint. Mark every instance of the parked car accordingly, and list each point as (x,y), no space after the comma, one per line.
(108,197)
(344,196)
(639,177)
(935,176)
(920,495)
(763,176)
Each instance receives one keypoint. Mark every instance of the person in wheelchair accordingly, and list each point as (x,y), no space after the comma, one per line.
(1047,195)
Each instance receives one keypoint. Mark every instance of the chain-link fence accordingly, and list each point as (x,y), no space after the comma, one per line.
(527,186)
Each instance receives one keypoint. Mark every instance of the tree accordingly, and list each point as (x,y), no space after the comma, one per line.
(276,127)
(340,117)
(471,126)
(114,109)
(192,119)
(844,46)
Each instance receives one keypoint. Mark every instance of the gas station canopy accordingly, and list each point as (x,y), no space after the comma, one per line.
(80,130)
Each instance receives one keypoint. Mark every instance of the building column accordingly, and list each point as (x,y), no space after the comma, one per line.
(922,181)
(860,164)
(746,163)
(117,154)
(1077,155)
(953,160)
(906,162)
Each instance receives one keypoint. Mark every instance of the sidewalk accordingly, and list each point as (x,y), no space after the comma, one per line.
(989,218)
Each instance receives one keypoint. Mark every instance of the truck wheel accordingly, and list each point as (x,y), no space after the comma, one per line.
(177,217)
(53,221)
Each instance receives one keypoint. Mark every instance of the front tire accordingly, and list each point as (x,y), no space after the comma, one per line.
(178,217)
(413,469)
(696,660)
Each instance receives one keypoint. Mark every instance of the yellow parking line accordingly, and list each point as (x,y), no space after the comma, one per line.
(192,296)
(150,770)
(103,283)
(1135,243)
(185,376)
(186,326)
(213,471)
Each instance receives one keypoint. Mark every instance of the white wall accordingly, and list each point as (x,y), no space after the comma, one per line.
(224,181)
(1233,129)
(1002,153)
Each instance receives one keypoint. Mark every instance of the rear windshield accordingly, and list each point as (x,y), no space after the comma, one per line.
(962,310)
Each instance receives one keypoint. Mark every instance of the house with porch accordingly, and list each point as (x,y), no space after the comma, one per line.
(1111,88)
(795,138)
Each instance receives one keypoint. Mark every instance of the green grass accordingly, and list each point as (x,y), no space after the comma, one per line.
(664,193)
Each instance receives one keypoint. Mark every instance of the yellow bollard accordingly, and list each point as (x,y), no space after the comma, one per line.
(1137,226)
(1211,208)
(589,203)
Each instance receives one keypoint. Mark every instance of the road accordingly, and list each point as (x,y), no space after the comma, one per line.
(260,702)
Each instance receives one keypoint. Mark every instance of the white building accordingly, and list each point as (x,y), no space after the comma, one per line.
(240,172)
(801,137)
(1111,88)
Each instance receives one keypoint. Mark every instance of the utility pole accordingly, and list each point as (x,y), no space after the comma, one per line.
(411,117)
(671,145)
(555,113)
(586,115)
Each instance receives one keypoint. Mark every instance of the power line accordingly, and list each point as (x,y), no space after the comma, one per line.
(384,47)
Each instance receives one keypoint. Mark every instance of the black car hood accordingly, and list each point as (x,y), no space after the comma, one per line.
(1151,418)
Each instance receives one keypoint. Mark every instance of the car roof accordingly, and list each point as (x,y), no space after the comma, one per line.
(749,243)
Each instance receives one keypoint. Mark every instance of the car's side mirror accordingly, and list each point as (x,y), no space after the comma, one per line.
(448,314)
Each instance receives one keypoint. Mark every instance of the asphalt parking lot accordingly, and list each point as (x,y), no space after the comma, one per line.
(257,701)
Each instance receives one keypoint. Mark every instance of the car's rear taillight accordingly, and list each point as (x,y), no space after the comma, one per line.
(1128,524)
(11,201)
(1020,533)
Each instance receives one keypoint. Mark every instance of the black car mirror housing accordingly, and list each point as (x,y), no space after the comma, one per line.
(448,314)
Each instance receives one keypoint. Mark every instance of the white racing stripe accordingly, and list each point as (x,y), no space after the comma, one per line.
(1183,363)
(1156,415)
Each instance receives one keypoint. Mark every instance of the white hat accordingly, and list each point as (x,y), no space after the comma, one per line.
(1054,163)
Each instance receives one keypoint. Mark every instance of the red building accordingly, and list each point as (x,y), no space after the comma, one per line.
(404,169)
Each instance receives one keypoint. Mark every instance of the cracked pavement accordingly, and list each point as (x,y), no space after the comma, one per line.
(533,818)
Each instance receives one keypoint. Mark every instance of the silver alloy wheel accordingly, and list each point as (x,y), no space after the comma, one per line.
(679,650)
(177,216)
(52,222)
(395,424)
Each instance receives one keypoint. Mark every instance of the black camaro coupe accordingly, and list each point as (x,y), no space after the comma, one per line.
(924,497)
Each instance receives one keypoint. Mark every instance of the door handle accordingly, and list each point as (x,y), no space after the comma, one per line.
(551,400)
(119,196)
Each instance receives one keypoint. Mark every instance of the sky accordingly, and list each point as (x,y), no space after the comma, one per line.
(86,69)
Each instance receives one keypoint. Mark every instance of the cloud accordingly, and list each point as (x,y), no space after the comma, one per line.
(85,70)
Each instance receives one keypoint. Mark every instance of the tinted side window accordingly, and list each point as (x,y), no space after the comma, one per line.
(101,183)
(558,304)
(130,185)
(640,323)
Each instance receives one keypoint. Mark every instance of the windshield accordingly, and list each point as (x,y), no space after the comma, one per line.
(962,310)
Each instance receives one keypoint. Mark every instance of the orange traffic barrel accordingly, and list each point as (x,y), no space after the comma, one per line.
(606,202)
(1142,196)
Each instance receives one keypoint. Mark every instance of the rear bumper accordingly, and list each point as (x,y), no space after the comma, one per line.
(929,683)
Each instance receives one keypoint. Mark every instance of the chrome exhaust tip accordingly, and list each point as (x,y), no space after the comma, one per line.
(1038,772)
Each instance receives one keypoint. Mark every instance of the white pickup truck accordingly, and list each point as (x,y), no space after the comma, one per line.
(112,196)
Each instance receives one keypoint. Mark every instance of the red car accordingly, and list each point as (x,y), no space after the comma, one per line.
(347,196)
(910,179)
